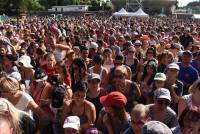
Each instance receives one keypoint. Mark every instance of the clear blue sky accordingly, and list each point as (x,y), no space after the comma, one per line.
(184,2)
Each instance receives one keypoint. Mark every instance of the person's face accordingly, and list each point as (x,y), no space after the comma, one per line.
(131,53)
(168,59)
(137,46)
(107,55)
(149,69)
(6,61)
(109,110)
(186,59)
(150,54)
(119,77)
(70,131)
(5,127)
(159,83)
(51,61)
(162,104)
(191,122)
(59,70)
(79,96)
(138,119)
(85,53)
(94,84)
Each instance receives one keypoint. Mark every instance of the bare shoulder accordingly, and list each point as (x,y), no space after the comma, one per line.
(89,104)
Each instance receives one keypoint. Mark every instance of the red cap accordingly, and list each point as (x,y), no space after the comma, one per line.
(114,99)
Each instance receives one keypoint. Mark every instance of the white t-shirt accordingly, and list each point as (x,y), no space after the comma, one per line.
(23,103)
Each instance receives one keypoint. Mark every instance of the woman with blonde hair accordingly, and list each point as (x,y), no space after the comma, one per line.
(128,88)
(191,100)
(10,89)
(20,122)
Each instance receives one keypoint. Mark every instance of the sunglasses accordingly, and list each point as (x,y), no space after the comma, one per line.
(149,52)
(161,102)
(131,52)
(141,122)
(119,76)
(118,63)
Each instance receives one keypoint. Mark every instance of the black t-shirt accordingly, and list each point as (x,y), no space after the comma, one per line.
(27,124)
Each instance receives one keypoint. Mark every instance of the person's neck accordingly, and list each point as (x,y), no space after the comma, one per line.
(93,93)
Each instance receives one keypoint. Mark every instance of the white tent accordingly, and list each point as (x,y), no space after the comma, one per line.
(121,12)
(196,16)
(139,13)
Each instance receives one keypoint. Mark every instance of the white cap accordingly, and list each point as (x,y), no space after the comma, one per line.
(25,61)
(72,122)
(93,45)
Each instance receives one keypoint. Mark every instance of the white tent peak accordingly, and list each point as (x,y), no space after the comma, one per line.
(139,13)
(122,11)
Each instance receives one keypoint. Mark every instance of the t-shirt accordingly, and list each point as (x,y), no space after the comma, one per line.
(188,74)
(27,125)
(23,103)
(170,118)
(129,131)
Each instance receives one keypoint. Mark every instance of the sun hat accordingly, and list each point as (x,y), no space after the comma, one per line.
(113,99)
(160,76)
(162,93)
(72,122)
(155,127)
(24,61)
(93,76)
(173,66)
(40,75)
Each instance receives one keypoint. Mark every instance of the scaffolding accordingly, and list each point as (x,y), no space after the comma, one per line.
(133,5)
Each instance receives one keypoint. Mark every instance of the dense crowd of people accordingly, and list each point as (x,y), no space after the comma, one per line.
(93,75)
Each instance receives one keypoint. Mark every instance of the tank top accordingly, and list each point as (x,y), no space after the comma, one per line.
(83,117)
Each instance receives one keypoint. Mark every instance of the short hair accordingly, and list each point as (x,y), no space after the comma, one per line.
(119,57)
(98,59)
(140,108)
(80,86)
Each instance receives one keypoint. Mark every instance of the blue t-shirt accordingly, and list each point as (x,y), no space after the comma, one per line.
(129,131)
(187,74)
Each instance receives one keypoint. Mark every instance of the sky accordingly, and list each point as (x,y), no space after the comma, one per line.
(185,2)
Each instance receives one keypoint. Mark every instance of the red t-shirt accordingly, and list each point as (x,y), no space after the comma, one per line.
(49,71)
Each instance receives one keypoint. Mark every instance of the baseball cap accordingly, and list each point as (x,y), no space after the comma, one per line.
(93,76)
(155,127)
(187,52)
(72,122)
(114,99)
(176,46)
(138,42)
(162,93)
(173,66)
(93,45)
(160,76)
(40,75)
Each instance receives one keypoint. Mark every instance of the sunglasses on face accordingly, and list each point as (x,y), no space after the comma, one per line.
(118,63)
(161,102)
(131,52)
(119,76)
(140,122)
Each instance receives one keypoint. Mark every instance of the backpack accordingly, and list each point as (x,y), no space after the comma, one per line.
(58,96)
